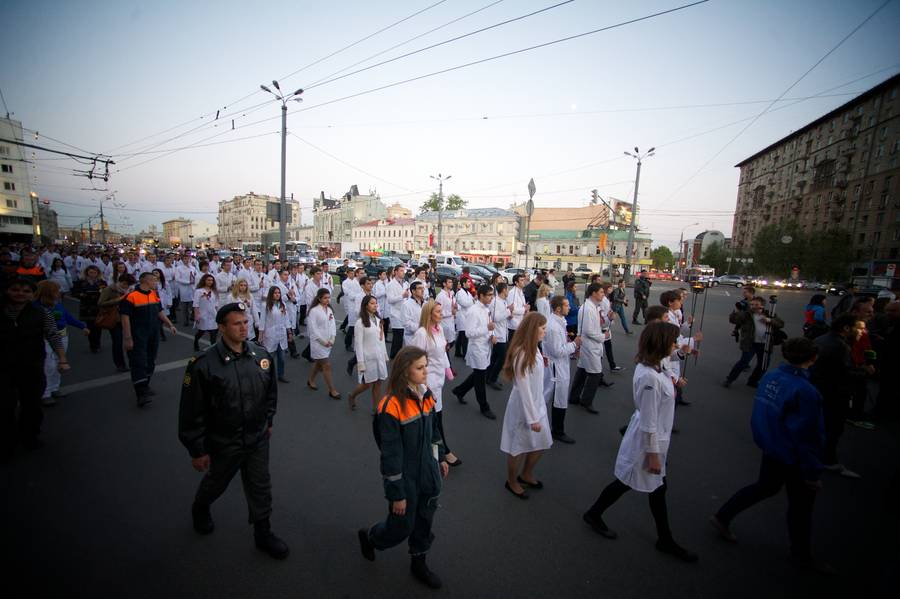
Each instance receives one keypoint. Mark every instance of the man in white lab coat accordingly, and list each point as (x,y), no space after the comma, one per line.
(590,357)
(225,278)
(412,310)
(397,293)
(557,348)
(480,334)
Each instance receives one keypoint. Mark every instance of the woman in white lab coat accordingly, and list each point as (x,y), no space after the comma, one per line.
(205,305)
(464,300)
(542,304)
(430,337)
(371,353)
(240,293)
(558,348)
(641,462)
(321,328)
(526,429)
(274,328)
(446,298)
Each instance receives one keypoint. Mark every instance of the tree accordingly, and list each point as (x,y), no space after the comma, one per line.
(777,248)
(716,257)
(662,258)
(451,202)
(827,257)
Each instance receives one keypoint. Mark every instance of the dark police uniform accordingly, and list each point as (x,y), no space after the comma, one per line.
(228,401)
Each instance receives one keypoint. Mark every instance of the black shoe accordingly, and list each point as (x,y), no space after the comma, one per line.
(535,485)
(196,347)
(754,385)
(682,402)
(365,545)
(420,570)
(460,397)
(122,369)
(150,392)
(203,522)
(563,438)
(281,379)
(599,526)
(487,413)
(495,385)
(603,383)
(590,409)
(522,495)
(676,550)
(143,398)
(726,383)
(616,368)
(267,541)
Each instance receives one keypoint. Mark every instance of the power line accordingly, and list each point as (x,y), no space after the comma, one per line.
(200,145)
(781,95)
(70,155)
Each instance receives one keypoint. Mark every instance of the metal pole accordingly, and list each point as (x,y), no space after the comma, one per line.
(634,210)
(440,213)
(527,236)
(282,223)
(102,224)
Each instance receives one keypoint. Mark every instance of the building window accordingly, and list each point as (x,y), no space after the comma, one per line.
(861,238)
(11,204)
(6,168)
(9,186)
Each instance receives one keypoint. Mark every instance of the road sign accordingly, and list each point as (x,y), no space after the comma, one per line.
(531,190)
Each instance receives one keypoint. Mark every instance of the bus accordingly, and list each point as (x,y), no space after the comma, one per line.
(700,275)
(251,249)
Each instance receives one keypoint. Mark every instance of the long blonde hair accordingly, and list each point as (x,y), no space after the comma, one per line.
(544,290)
(521,355)
(235,292)
(425,318)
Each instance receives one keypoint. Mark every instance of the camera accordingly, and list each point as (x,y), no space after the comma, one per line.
(698,288)
(773,299)
(740,306)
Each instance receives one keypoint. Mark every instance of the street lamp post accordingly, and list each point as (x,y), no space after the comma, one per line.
(440,179)
(629,251)
(282,222)
(681,251)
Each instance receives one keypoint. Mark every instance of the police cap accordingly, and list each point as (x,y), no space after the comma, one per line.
(227,309)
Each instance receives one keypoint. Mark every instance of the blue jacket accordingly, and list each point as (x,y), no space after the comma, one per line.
(62,316)
(787,419)
(572,318)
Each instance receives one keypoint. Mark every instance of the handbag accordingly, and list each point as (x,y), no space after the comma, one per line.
(107,318)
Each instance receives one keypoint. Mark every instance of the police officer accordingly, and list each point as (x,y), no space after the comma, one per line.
(228,401)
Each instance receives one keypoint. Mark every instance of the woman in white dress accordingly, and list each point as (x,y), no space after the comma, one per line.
(274,328)
(240,293)
(430,337)
(542,304)
(371,353)
(641,462)
(205,304)
(526,429)
(446,298)
(60,274)
(322,329)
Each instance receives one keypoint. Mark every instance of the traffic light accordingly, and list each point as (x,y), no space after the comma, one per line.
(594,196)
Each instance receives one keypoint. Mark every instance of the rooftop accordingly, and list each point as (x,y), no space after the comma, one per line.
(475,213)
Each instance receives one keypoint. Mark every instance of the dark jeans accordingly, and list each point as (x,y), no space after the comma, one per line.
(94,336)
(118,349)
(640,307)
(24,387)
(607,349)
(173,311)
(858,396)
(462,344)
(254,467)
(348,338)
(477,379)
(415,524)
(213,335)
(617,488)
(188,311)
(143,356)
(584,386)
(301,317)
(498,355)
(773,475)
(619,309)
(834,411)
(396,341)
(279,362)
(758,350)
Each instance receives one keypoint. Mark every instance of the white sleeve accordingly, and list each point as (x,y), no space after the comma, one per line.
(410,322)
(359,346)
(526,397)
(647,401)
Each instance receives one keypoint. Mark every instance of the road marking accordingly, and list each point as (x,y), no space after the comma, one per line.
(116,378)
(726,293)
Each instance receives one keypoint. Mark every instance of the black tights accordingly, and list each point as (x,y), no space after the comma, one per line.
(617,488)
(213,335)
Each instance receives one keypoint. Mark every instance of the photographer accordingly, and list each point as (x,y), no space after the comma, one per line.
(748,292)
(755,326)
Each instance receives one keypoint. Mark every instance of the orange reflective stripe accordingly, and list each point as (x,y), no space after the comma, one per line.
(137,299)
(406,410)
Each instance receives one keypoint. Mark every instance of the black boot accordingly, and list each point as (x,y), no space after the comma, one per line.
(143,395)
(559,426)
(203,522)
(267,541)
(420,570)
(674,549)
(365,545)
(292,347)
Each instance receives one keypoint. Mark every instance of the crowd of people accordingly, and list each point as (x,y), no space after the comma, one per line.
(399,331)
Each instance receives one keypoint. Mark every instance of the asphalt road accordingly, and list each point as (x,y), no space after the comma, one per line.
(103,510)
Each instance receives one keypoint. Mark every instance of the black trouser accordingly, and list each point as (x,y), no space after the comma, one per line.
(758,350)
(173,311)
(584,386)
(462,344)
(858,395)
(773,475)
(142,357)
(301,318)
(640,307)
(415,524)
(254,466)
(475,379)
(348,338)
(558,422)
(657,498)
(440,426)
(213,335)
(188,311)
(343,322)
(607,349)
(834,410)
(23,386)
(396,341)
(509,335)
(498,355)
(118,349)
(94,336)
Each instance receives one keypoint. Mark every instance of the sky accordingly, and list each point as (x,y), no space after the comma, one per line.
(137,80)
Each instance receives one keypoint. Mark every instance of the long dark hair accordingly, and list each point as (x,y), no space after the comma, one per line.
(398,382)
(159,275)
(655,343)
(270,298)
(817,300)
(201,284)
(364,311)
(322,292)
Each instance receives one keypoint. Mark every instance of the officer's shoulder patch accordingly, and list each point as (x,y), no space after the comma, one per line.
(187,380)
(264,363)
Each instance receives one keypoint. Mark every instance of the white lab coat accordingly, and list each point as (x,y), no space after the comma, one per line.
(371,354)
(558,348)
(273,327)
(673,317)
(501,318)
(251,311)
(543,307)
(464,302)
(207,303)
(395,301)
(412,313)
(605,320)
(224,281)
(649,429)
(312,288)
(169,274)
(516,299)
(526,407)
(186,278)
(321,329)
(435,346)
(590,328)
(353,295)
(478,354)
(62,278)
(448,320)
(301,282)
(165,298)
(379,290)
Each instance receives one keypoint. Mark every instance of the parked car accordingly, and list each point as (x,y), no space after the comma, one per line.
(509,273)
(442,272)
(815,286)
(583,272)
(333,263)
(383,263)
(481,271)
(736,280)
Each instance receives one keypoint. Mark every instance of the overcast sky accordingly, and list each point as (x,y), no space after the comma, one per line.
(103,75)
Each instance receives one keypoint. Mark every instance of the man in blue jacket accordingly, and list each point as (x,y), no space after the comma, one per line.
(788,426)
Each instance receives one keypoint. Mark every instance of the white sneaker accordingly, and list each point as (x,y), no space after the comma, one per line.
(847,473)
(834,468)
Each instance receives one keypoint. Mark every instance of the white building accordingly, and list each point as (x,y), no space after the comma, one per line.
(335,219)
(387,235)
(486,235)
(184,231)
(245,218)
(17,203)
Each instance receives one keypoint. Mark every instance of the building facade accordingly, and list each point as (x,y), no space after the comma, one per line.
(597,249)
(485,235)
(48,224)
(245,218)
(386,235)
(17,203)
(839,172)
(335,219)
(395,210)
(184,231)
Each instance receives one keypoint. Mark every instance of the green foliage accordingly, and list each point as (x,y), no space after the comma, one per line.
(827,256)
(822,256)
(716,257)
(451,202)
(662,258)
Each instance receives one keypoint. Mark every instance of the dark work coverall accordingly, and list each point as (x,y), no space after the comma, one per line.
(408,433)
(228,401)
